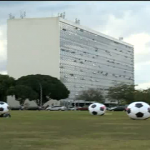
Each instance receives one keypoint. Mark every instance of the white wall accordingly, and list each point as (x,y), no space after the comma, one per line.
(52,103)
(12,102)
(33,47)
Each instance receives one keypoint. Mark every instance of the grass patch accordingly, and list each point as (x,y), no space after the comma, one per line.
(73,130)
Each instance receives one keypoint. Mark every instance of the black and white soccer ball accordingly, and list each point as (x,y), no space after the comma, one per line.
(97,109)
(138,110)
(4,109)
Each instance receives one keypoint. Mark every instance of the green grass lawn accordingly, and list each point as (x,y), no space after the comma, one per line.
(73,130)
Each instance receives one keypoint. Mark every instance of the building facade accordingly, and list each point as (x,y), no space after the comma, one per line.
(80,57)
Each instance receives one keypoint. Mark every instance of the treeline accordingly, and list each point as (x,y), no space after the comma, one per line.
(42,88)
(39,88)
(122,93)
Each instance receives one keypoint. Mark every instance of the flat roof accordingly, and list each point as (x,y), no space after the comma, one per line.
(81,27)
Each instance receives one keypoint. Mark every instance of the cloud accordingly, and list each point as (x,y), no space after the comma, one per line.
(139,41)
(142,55)
(3,72)
(56,6)
(3,52)
(145,85)
(130,18)
(10,3)
(140,38)
(3,44)
(142,72)
(139,66)
(117,19)
(116,27)
(3,65)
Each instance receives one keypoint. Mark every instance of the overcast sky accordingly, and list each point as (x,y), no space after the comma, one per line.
(130,20)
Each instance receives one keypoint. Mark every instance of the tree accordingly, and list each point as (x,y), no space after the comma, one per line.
(123,93)
(142,95)
(22,93)
(91,95)
(40,85)
(5,83)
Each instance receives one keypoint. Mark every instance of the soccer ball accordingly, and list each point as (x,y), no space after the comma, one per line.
(138,110)
(4,108)
(97,109)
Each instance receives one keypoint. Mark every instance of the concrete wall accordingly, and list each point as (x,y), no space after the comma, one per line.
(33,47)
(13,103)
(52,103)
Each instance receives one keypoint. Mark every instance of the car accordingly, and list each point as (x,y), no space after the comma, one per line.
(33,108)
(57,108)
(72,108)
(117,108)
(82,108)
(111,108)
(15,108)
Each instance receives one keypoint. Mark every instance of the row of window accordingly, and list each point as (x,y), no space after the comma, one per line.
(93,68)
(96,45)
(91,55)
(78,86)
(71,28)
(92,58)
(96,71)
(94,65)
(73,47)
(95,78)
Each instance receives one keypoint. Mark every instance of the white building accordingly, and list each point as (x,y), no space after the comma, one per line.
(80,57)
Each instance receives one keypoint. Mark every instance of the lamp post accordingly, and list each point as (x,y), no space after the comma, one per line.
(41,93)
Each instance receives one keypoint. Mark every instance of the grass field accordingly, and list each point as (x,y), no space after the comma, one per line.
(69,130)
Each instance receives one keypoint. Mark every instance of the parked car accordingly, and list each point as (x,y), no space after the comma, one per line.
(72,108)
(82,108)
(33,108)
(117,108)
(111,108)
(57,108)
(15,108)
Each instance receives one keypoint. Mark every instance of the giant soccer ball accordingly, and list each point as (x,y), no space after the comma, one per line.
(138,110)
(4,108)
(97,109)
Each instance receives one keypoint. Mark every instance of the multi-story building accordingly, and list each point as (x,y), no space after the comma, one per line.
(80,57)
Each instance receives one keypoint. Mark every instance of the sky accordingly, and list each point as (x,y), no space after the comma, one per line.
(127,19)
